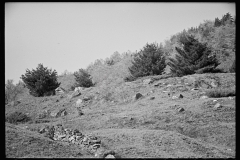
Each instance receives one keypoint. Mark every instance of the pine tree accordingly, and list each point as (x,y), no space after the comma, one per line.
(83,79)
(149,61)
(217,22)
(40,81)
(195,57)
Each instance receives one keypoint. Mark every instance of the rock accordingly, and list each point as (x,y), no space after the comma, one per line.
(147,81)
(42,130)
(64,113)
(156,85)
(137,96)
(152,98)
(75,94)
(57,100)
(214,100)
(180,109)
(86,98)
(218,105)
(79,89)
(174,97)
(231,98)
(57,113)
(78,103)
(180,96)
(109,156)
(214,84)
(169,85)
(203,97)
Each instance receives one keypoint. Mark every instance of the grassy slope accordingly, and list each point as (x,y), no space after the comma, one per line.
(149,128)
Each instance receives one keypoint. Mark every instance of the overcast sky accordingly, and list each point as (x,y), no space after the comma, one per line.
(69,36)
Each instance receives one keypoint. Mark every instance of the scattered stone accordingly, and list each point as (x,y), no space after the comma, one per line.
(147,81)
(203,97)
(194,89)
(75,94)
(174,97)
(137,96)
(152,98)
(109,156)
(57,113)
(230,98)
(78,103)
(169,85)
(214,100)
(214,84)
(64,113)
(180,109)
(218,105)
(86,98)
(156,85)
(57,100)
(180,96)
(79,89)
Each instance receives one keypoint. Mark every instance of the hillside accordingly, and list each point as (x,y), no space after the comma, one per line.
(158,124)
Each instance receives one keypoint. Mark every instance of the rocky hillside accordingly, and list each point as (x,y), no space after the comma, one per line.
(152,117)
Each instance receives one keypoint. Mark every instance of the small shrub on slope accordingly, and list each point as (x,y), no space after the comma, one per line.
(17,117)
(221,92)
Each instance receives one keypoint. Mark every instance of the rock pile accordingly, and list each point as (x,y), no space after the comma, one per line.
(58,133)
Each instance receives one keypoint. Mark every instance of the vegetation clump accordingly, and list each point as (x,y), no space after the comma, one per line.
(41,81)
(221,92)
(83,79)
(17,117)
(149,61)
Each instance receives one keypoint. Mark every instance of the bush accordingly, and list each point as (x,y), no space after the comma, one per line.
(83,79)
(149,61)
(40,81)
(129,78)
(17,117)
(221,92)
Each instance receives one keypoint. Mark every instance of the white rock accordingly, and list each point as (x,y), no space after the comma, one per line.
(214,100)
(203,97)
(218,105)
(109,156)
(78,103)
(174,97)
(147,81)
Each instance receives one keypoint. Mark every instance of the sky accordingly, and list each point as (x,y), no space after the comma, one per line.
(69,36)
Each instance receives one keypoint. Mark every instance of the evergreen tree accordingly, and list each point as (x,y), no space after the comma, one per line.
(195,57)
(83,79)
(217,22)
(149,61)
(40,81)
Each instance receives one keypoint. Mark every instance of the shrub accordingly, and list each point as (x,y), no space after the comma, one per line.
(40,81)
(12,91)
(232,69)
(149,61)
(129,78)
(221,92)
(17,117)
(195,57)
(83,79)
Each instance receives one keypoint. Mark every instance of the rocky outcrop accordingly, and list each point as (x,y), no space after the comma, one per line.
(58,133)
